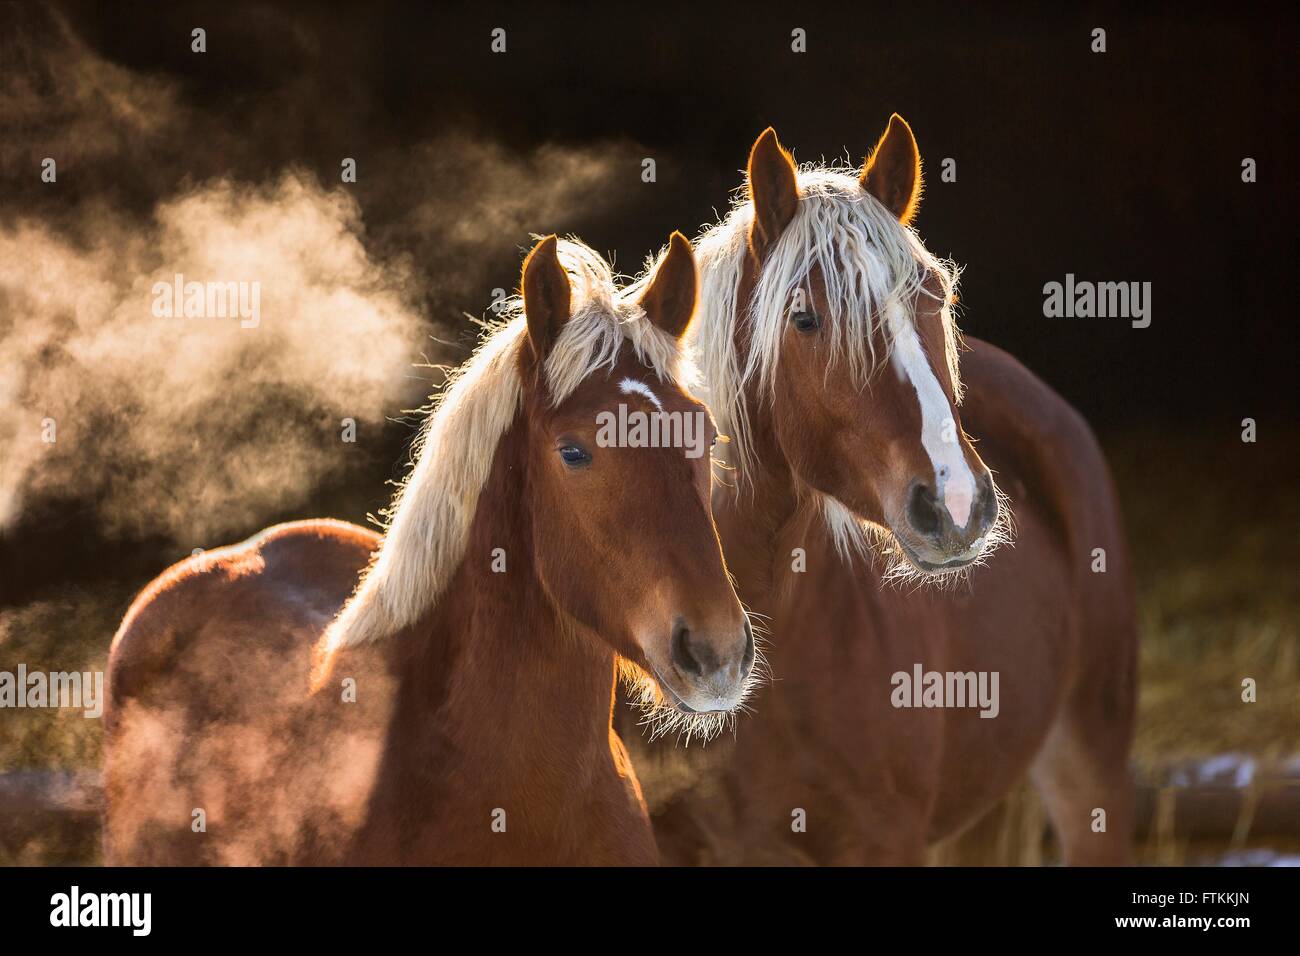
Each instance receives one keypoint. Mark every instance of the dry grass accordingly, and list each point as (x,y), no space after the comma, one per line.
(65,630)
(1211,525)
(1217,569)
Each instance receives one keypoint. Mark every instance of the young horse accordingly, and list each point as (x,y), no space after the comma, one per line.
(464,689)
(830,357)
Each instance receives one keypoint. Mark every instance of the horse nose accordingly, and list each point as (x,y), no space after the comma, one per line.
(933,519)
(704,660)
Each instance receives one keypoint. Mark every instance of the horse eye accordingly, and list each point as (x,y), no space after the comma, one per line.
(573,455)
(806,321)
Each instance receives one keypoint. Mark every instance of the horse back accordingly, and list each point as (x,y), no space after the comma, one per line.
(208,698)
(1037,441)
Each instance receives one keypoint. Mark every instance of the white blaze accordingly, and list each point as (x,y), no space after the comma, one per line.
(630,386)
(954,482)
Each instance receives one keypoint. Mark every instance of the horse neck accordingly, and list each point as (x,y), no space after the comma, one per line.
(499,680)
(761,514)
(758,511)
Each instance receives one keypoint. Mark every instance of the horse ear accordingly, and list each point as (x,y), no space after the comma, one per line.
(774,189)
(892,173)
(546,296)
(670,299)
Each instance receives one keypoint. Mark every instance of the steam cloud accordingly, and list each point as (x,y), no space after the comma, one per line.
(195,427)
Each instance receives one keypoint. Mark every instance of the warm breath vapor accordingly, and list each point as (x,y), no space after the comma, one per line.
(200,427)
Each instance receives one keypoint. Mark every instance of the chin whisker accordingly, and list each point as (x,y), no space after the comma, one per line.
(660,717)
(855,537)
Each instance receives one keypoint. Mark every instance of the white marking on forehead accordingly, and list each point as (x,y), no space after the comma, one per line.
(954,481)
(630,386)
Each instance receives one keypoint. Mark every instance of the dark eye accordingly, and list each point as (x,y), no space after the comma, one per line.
(806,321)
(574,455)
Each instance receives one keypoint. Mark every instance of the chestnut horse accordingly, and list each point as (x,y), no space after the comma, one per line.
(831,358)
(464,686)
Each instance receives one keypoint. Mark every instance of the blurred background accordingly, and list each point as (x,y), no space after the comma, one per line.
(181,434)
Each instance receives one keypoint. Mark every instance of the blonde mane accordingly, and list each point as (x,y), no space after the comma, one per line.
(428,522)
(867,259)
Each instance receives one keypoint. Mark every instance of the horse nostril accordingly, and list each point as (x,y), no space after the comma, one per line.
(923,511)
(747,664)
(988,503)
(682,655)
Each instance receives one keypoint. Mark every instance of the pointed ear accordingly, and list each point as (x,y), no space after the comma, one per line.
(774,189)
(669,301)
(892,173)
(546,296)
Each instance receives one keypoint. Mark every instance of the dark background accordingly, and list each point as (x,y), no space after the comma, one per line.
(1122,166)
